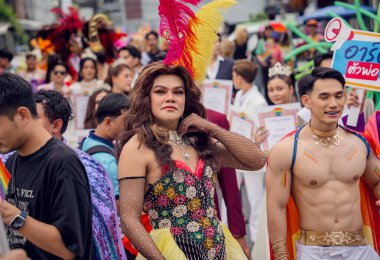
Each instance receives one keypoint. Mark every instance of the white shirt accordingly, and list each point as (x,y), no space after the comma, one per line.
(84,87)
(248,102)
(244,96)
(212,69)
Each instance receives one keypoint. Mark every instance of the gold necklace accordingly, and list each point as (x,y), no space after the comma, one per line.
(327,139)
(177,140)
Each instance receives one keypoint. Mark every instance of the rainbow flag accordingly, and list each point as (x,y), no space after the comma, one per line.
(278,111)
(5,176)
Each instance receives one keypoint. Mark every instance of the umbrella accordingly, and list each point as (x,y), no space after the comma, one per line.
(321,14)
(278,27)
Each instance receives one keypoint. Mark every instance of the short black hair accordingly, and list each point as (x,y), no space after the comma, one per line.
(6,54)
(56,106)
(306,83)
(112,105)
(319,57)
(159,56)
(15,92)
(154,33)
(61,63)
(133,51)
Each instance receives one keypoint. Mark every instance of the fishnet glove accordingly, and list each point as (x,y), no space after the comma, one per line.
(131,204)
(236,151)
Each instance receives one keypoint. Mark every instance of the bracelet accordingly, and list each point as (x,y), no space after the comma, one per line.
(280,251)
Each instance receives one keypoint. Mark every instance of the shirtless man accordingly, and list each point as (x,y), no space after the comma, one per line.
(322,177)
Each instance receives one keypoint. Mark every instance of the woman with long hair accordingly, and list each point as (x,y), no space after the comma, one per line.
(280,89)
(168,158)
(119,78)
(92,105)
(88,82)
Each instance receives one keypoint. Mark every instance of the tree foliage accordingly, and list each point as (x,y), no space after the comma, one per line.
(8,15)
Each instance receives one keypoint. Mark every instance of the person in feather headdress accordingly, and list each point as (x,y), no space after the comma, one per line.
(167,161)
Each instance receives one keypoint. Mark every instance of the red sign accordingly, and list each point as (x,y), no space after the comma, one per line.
(363,70)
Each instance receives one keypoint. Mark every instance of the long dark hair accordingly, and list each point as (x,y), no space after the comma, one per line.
(81,65)
(90,121)
(140,120)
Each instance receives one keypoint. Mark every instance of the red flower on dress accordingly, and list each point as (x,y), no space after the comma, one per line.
(180,199)
(163,201)
(198,214)
(189,180)
(210,232)
(208,185)
(176,230)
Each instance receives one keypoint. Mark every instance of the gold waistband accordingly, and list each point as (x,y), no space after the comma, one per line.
(332,238)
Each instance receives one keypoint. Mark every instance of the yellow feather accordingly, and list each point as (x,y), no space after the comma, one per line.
(208,21)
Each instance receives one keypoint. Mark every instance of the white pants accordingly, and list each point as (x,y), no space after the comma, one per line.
(336,253)
(255,186)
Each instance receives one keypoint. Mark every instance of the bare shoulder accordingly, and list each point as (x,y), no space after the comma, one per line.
(136,149)
(281,153)
(134,159)
(355,139)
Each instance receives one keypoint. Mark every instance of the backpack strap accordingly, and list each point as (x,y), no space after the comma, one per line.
(294,156)
(100,149)
(80,144)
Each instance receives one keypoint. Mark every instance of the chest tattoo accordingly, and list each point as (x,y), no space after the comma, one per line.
(350,153)
(309,154)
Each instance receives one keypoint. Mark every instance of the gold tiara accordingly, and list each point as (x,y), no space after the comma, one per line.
(278,69)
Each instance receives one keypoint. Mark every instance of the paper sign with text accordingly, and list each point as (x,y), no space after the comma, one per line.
(80,108)
(216,95)
(279,120)
(240,124)
(356,54)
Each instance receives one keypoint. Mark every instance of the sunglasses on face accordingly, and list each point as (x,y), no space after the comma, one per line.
(59,72)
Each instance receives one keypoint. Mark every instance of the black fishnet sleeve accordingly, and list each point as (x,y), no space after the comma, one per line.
(132,191)
(237,151)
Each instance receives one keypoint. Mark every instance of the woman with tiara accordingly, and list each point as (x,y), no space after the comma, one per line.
(280,86)
(169,158)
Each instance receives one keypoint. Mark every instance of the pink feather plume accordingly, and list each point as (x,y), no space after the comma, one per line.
(174,26)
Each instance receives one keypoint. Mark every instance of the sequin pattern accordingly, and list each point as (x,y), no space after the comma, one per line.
(184,202)
(105,223)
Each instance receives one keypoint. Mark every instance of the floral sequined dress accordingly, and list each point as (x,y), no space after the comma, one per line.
(181,205)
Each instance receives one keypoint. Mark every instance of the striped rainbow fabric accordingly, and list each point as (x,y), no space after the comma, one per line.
(5,176)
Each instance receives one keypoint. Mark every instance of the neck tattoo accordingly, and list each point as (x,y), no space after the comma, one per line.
(176,140)
(327,139)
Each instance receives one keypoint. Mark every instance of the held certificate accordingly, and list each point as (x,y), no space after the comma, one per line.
(240,124)
(216,95)
(80,109)
(279,120)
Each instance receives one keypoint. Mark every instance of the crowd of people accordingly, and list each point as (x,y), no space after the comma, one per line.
(142,183)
